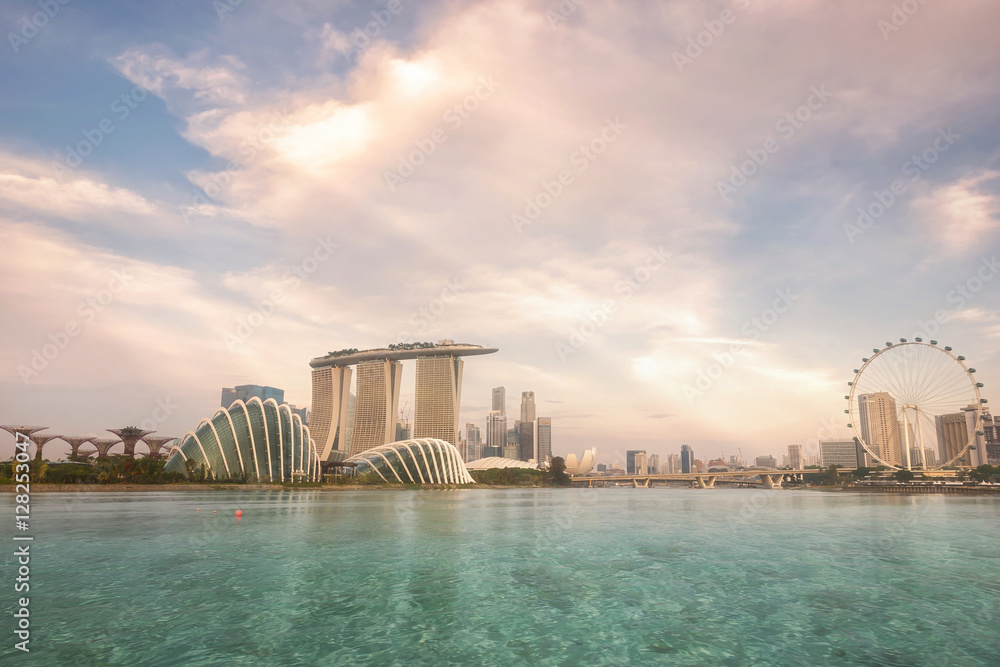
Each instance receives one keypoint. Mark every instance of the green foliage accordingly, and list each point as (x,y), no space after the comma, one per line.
(985,473)
(71,473)
(904,475)
(557,472)
(509,477)
(861,472)
(828,477)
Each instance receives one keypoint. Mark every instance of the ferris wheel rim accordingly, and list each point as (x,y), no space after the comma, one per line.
(958,359)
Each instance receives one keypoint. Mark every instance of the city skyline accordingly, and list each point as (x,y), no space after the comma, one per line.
(187,203)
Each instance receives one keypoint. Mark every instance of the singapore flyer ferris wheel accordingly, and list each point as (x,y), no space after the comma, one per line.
(915,405)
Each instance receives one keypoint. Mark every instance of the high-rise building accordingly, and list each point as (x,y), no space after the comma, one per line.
(377,404)
(245,392)
(496,434)
(639,462)
(954,431)
(526,440)
(331,411)
(673,464)
(654,464)
(843,453)
(879,426)
(438,397)
(929,456)
(602,467)
(403,430)
(527,406)
(500,400)
(991,428)
(766,462)
(795,457)
(543,439)
(630,455)
(687,459)
(473,442)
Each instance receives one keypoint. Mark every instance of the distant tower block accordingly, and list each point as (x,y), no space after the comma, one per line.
(129,435)
(40,439)
(75,442)
(438,397)
(156,443)
(104,445)
(330,402)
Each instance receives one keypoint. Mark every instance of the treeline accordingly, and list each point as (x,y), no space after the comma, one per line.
(111,470)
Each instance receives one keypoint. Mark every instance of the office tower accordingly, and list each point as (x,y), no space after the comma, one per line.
(473,442)
(601,467)
(766,462)
(403,430)
(543,439)
(879,426)
(929,456)
(977,454)
(500,400)
(654,464)
(245,392)
(952,435)
(673,464)
(991,428)
(496,434)
(438,398)
(527,406)
(795,457)
(331,405)
(514,436)
(511,451)
(843,453)
(526,440)
(377,404)
(687,459)
(639,462)
(630,455)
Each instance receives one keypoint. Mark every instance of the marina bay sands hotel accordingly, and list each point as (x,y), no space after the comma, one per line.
(437,398)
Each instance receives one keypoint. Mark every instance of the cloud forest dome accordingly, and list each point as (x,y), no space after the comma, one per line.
(256,440)
(419,461)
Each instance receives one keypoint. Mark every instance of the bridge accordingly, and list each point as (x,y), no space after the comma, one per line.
(768,479)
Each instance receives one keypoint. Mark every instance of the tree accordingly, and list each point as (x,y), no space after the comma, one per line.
(557,471)
(861,472)
(904,475)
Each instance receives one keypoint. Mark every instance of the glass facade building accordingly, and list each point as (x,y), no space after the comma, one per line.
(257,440)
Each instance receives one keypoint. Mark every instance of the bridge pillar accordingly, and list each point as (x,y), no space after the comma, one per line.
(703,484)
(771,481)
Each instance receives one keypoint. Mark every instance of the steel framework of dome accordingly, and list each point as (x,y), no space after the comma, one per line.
(924,380)
(417,461)
(256,440)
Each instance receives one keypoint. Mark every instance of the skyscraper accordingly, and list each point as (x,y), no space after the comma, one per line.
(654,464)
(500,400)
(879,426)
(630,455)
(639,463)
(841,453)
(954,431)
(543,439)
(331,413)
(438,398)
(496,434)
(473,442)
(673,464)
(377,404)
(527,406)
(687,459)
(795,457)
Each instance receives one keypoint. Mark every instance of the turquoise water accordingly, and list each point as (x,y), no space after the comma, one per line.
(512,577)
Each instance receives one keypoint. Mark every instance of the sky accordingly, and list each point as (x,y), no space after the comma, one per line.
(680,222)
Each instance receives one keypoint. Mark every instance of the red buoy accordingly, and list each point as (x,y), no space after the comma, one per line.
(239,513)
